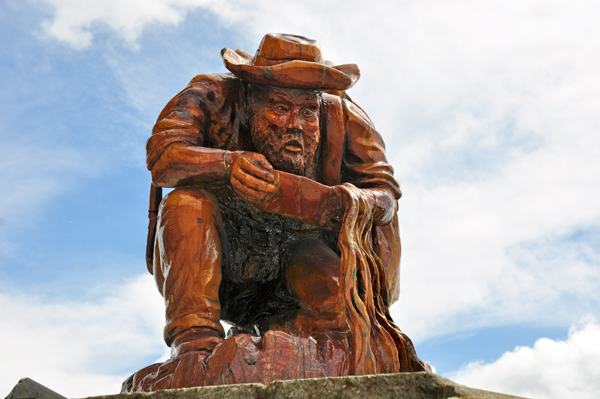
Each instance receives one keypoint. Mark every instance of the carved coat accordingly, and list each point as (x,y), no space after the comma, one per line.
(210,112)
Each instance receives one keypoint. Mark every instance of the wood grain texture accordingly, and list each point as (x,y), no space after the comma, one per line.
(282,221)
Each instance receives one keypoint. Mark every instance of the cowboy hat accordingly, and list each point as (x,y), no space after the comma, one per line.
(290,61)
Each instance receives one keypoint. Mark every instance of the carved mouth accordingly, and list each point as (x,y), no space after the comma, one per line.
(293,146)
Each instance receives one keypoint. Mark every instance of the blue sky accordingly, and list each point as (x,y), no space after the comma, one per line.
(490,115)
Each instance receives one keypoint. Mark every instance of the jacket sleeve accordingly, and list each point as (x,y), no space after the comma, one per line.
(364,162)
(188,139)
(365,165)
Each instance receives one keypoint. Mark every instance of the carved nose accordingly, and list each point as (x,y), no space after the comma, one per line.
(293,121)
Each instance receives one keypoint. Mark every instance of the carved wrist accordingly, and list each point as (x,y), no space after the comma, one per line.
(227,162)
(383,207)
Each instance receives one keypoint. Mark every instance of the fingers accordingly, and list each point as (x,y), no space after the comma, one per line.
(250,181)
(253,177)
(251,194)
(258,166)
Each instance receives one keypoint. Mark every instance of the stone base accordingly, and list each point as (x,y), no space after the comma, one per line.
(382,386)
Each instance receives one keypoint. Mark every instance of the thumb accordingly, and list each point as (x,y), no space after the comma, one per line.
(260,160)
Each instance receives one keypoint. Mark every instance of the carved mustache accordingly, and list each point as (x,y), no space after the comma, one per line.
(293,140)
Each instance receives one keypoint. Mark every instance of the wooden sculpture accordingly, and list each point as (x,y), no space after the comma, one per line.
(282,222)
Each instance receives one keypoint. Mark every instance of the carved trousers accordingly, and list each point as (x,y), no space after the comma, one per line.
(212,262)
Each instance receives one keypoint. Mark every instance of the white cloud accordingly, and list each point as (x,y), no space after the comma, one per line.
(75,22)
(462,220)
(80,349)
(548,370)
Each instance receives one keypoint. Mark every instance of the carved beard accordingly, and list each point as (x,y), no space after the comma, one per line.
(272,144)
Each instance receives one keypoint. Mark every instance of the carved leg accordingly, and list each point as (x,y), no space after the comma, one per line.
(187,269)
(313,277)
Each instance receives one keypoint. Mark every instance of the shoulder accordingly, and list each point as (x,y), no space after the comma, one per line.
(346,109)
(205,93)
(215,88)
(354,114)
(215,82)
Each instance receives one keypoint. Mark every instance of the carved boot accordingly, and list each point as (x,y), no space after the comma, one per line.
(200,339)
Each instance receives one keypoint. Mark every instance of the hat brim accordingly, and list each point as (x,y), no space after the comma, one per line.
(293,74)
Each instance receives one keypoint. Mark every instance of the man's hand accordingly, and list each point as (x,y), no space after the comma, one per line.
(252,177)
(383,205)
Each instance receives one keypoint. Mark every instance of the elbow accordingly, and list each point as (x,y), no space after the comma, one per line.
(162,176)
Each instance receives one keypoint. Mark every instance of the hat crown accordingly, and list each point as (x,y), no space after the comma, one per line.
(276,48)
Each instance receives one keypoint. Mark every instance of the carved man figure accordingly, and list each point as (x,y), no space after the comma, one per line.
(258,158)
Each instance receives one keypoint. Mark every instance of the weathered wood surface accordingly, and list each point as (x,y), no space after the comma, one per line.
(282,221)
(244,358)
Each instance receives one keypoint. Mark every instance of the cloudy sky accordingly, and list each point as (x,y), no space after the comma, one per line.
(491,115)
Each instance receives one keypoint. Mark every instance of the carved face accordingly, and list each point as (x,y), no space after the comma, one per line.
(285,127)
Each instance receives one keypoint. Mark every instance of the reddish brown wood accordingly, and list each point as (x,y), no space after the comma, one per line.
(282,222)
(278,355)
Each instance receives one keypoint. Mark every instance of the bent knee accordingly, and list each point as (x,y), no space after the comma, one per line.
(312,274)
(313,257)
(189,198)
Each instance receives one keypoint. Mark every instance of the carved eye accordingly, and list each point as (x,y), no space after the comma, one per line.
(281,110)
(308,114)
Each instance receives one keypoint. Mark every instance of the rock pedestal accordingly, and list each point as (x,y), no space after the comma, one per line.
(420,385)
(27,388)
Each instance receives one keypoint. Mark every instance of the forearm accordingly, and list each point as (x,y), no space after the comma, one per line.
(381,202)
(305,199)
(321,205)
(184,164)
